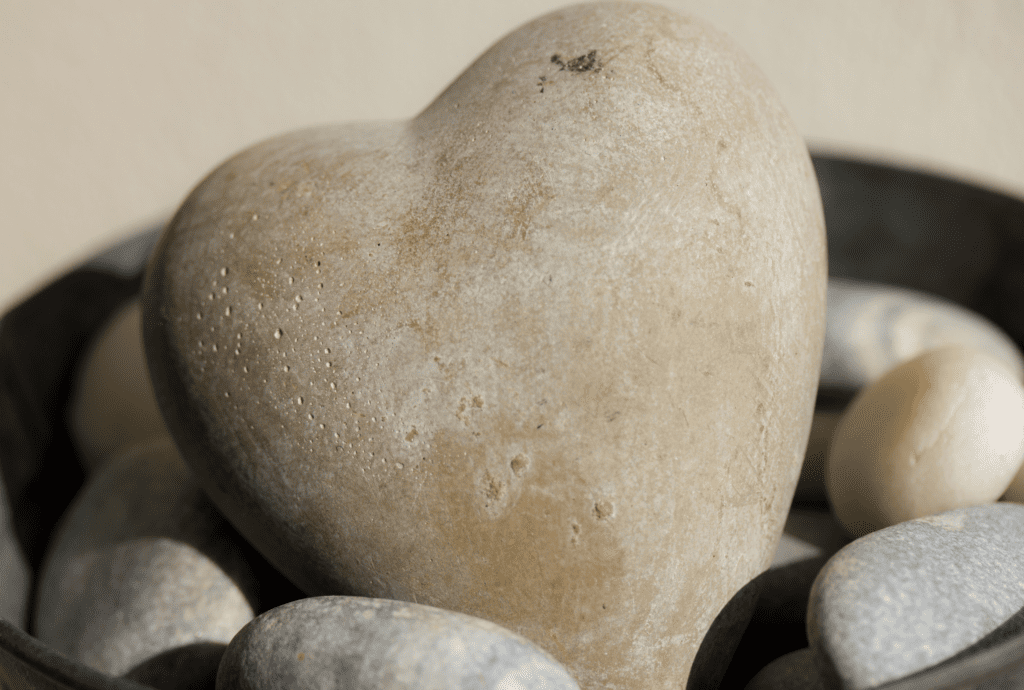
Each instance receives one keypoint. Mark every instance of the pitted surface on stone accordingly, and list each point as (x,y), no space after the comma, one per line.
(142,564)
(907,597)
(366,644)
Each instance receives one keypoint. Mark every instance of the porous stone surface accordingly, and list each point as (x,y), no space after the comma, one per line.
(873,328)
(545,354)
(142,565)
(112,406)
(365,644)
(912,595)
(809,539)
(15,572)
(794,671)
(944,430)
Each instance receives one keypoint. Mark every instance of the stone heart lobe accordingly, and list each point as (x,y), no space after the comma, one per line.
(545,354)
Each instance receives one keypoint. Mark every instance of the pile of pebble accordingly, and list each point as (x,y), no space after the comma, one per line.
(912,470)
(897,556)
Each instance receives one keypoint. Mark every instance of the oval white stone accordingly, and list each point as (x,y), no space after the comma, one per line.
(944,430)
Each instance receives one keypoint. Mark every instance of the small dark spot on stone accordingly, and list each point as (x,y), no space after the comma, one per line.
(582,63)
(519,464)
(603,509)
(748,283)
(539,425)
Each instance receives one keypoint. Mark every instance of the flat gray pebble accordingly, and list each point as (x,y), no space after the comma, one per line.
(910,596)
(365,644)
(794,671)
(142,566)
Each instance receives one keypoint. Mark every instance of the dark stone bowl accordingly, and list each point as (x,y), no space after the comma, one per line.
(884,224)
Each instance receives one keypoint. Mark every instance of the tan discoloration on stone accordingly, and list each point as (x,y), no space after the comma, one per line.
(579,261)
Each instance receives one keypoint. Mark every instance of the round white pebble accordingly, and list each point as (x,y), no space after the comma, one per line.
(944,430)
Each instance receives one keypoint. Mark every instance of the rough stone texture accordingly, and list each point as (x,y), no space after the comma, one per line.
(809,539)
(545,354)
(15,572)
(365,644)
(873,328)
(142,565)
(113,407)
(794,671)
(944,430)
(910,596)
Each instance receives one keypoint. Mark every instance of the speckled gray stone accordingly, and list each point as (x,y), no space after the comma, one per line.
(872,328)
(910,596)
(15,573)
(364,644)
(809,539)
(794,671)
(142,565)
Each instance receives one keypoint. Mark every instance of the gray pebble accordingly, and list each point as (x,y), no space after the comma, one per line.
(809,539)
(142,566)
(872,328)
(15,573)
(794,671)
(910,596)
(365,644)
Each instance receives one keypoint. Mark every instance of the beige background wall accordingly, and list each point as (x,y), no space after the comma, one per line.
(111,110)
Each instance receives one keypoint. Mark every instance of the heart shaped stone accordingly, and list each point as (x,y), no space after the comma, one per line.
(545,354)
